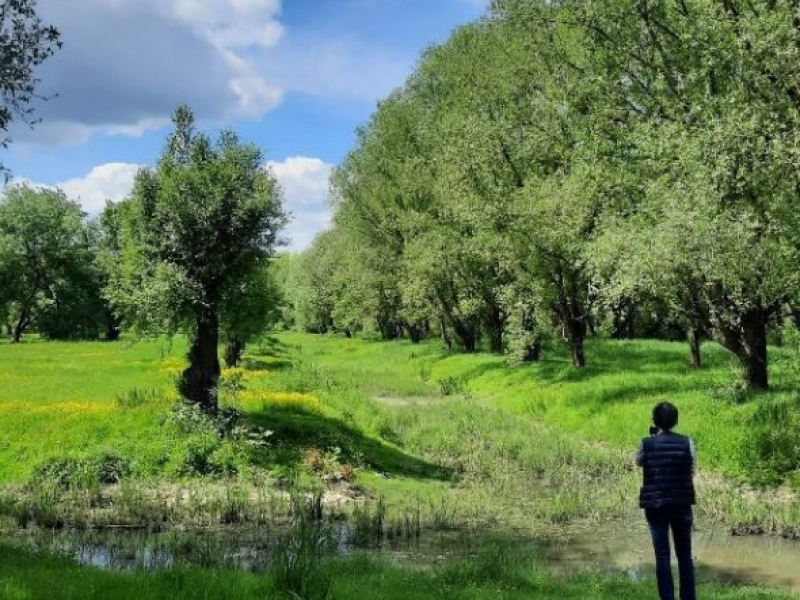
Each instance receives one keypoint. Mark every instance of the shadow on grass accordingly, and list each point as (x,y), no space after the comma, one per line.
(269,364)
(296,430)
(620,357)
(269,346)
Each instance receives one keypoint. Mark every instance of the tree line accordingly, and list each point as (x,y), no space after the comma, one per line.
(563,169)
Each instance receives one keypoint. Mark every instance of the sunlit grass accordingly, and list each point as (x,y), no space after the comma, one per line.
(609,401)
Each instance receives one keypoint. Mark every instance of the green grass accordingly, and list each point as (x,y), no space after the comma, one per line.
(610,401)
(453,441)
(58,399)
(493,575)
(451,433)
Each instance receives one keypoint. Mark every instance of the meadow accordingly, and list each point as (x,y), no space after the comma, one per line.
(398,438)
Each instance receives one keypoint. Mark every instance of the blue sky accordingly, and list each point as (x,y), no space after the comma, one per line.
(295,76)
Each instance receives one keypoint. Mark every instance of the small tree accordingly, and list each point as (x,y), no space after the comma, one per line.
(247,311)
(197,228)
(43,250)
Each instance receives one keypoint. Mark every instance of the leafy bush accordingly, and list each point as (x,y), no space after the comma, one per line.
(110,468)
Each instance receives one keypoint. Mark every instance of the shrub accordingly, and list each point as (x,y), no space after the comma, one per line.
(70,473)
(136,397)
(450,386)
(110,468)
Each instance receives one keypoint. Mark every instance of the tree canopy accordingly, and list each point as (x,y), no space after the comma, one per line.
(556,170)
(194,237)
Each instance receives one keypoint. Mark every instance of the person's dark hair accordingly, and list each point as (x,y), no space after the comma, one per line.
(665,416)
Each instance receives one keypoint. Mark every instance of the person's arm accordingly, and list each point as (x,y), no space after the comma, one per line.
(693,452)
(640,454)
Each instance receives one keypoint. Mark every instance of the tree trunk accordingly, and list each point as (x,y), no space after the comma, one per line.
(495,323)
(533,352)
(794,314)
(623,321)
(447,340)
(199,381)
(415,332)
(465,335)
(19,327)
(694,337)
(576,334)
(113,330)
(755,343)
(578,356)
(388,329)
(748,341)
(234,349)
(348,333)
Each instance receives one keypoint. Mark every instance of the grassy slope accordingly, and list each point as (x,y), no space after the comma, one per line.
(609,401)
(57,398)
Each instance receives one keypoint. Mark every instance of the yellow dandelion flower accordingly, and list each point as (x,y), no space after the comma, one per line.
(61,408)
(262,399)
(172,367)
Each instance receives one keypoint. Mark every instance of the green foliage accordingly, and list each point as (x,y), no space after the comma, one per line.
(25,43)
(47,273)
(69,473)
(569,164)
(195,238)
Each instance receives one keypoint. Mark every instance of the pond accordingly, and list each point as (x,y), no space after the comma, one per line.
(624,547)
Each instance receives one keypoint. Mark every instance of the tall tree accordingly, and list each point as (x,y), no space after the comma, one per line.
(198,226)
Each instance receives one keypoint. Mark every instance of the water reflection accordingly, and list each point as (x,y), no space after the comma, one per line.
(718,555)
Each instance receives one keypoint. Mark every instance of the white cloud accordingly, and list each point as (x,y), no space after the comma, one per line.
(231,23)
(126,64)
(304,182)
(305,187)
(111,181)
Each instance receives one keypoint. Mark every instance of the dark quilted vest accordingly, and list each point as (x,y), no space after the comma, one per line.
(667,466)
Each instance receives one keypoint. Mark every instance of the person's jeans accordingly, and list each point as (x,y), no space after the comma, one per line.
(679,520)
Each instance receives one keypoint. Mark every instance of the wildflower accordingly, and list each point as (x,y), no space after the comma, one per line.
(263,399)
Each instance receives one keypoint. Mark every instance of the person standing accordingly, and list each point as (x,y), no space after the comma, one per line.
(667,496)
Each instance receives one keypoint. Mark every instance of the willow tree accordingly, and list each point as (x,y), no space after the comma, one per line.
(712,107)
(197,228)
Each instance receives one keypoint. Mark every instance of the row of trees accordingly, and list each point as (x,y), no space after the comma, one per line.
(561,168)
(189,251)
